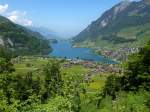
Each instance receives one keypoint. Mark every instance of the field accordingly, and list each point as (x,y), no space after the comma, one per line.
(92,87)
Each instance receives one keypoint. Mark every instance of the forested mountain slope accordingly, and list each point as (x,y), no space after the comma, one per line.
(127,24)
(20,39)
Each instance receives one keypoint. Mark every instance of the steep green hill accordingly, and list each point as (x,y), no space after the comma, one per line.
(21,40)
(125,24)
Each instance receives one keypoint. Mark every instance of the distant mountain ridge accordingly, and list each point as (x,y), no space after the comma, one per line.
(21,40)
(48,34)
(124,24)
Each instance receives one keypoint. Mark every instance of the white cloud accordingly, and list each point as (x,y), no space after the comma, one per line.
(19,18)
(3,8)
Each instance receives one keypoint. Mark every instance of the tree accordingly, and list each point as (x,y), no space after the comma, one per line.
(53,80)
(57,104)
(5,61)
(112,86)
(6,66)
(137,73)
(5,53)
(72,88)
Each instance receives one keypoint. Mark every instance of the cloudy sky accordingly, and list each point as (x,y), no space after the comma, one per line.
(67,17)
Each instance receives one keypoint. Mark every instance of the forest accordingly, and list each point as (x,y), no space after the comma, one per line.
(51,88)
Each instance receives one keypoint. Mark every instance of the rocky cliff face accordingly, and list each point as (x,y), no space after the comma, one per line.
(6,42)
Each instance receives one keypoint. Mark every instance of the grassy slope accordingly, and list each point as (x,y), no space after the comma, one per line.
(34,65)
(140,33)
(92,88)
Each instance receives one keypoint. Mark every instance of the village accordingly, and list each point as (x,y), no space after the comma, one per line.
(120,54)
(95,67)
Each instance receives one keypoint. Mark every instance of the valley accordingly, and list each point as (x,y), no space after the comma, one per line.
(91,76)
(104,68)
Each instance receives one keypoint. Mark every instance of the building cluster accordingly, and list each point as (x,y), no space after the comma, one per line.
(121,54)
(94,67)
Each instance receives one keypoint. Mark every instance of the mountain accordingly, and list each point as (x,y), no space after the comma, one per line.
(21,40)
(48,34)
(127,24)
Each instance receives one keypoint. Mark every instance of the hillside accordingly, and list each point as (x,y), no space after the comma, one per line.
(36,84)
(21,40)
(127,24)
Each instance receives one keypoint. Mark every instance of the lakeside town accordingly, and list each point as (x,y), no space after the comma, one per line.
(94,67)
(120,54)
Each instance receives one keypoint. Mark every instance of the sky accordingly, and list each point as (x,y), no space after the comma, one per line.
(66,17)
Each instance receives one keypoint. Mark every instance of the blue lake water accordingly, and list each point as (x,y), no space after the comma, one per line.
(64,49)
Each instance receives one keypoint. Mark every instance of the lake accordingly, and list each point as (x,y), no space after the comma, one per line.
(64,49)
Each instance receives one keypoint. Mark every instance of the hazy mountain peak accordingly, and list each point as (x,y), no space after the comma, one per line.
(46,32)
(146,1)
